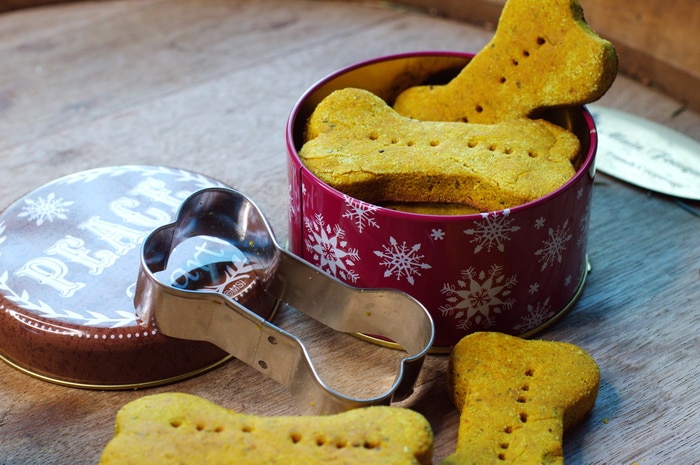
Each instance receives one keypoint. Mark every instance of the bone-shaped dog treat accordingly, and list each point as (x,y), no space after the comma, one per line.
(542,55)
(176,428)
(517,396)
(362,147)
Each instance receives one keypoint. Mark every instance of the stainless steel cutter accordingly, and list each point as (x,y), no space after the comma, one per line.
(217,274)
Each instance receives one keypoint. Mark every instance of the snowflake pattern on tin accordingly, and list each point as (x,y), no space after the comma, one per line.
(42,210)
(554,246)
(493,231)
(568,280)
(437,234)
(360,213)
(536,316)
(476,297)
(329,249)
(400,260)
(45,209)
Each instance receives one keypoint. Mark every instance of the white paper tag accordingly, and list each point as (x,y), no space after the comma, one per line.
(647,154)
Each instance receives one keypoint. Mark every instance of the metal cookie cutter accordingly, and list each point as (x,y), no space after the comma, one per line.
(216,275)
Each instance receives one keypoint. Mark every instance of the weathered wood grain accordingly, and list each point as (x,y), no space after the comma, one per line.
(207,86)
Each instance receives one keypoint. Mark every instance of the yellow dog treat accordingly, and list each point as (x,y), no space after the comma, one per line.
(516,398)
(542,55)
(362,147)
(179,428)
(433,208)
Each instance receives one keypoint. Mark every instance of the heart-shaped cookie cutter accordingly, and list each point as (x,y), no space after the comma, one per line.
(233,255)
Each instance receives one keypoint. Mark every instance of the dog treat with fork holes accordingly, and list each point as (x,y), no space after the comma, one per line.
(359,145)
(177,428)
(542,55)
(517,396)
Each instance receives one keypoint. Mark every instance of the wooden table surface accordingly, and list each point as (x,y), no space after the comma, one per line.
(207,86)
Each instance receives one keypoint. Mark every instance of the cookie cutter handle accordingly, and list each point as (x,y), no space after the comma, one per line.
(213,317)
(384,313)
(207,315)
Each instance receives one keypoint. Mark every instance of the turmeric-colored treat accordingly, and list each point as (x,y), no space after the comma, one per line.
(359,145)
(517,397)
(433,208)
(175,428)
(542,55)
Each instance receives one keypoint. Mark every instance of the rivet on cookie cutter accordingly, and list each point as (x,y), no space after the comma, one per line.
(199,275)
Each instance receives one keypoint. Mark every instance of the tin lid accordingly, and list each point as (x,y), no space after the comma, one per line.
(69,259)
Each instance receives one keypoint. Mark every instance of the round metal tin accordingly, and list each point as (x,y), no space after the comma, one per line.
(69,259)
(513,271)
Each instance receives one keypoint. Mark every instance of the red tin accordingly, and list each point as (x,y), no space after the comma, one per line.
(513,271)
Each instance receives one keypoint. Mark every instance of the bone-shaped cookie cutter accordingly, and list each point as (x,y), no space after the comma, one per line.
(229,239)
